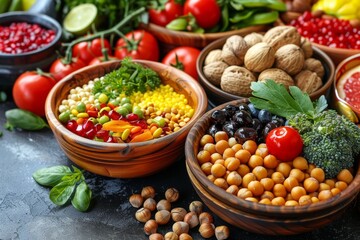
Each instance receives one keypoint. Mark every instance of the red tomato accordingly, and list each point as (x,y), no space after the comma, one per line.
(87,51)
(186,59)
(171,11)
(30,91)
(140,45)
(285,143)
(59,70)
(206,12)
(98,60)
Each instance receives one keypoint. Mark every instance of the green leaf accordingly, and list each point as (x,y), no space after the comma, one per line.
(320,104)
(303,100)
(82,197)
(24,119)
(51,176)
(62,192)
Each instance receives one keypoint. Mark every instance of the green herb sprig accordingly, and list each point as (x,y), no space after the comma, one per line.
(66,186)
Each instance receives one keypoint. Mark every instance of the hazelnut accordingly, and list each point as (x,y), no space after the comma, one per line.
(205,217)
(314,65)
(156,236)
(237,80)
(289,58)
(185,236)
(148,192)
(279,36)
(213,72)
(150,227)
(234,50)
(171,236)
(253,38)
(150,204)
(136,200)
(222,232)
(172,194)
(207,230)
(163,204)
(213,56)
(196,206)
(162,217)
(278,75)
(180,227)
(192,219)
(259,57)
(308,81)
(306,46)
(143,215)
(288,16)
(178,214)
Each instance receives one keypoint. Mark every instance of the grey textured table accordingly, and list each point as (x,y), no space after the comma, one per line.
(27,213)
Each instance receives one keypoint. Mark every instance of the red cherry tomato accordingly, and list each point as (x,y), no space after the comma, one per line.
(171,11)
(285,143)
(206,12)
(86,51)
(186,59)
(96,46)
(59,70)
(30,91)
(140,45)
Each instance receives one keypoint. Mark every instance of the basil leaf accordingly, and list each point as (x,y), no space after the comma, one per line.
(24,119)
(82,197)
(51,176)
(62,192)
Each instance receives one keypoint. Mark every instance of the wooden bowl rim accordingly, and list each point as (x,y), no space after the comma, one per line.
(199,92)
(257,207)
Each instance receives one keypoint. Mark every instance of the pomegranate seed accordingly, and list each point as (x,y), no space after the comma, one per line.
(71,125)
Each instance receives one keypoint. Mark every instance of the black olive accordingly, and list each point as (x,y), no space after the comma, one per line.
(278,122)
(214,129)
(256,124)
(242,119)
(268,127)
(244,107)
(245,133)
(219,116)
(264,116)
(253,110)
(230,110)
(229,128)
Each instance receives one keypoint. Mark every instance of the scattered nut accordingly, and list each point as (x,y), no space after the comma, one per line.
(213,72)
(150,204)
(222,232)
(205,217)
(279,36)
(171,236)
(301,6)
(150,227)
(162,217)
(136,200)
(308,81)
(156,236)
(172,194)
(259,57)
(148,192)
(196,206)
(192,219)
(288,16)
(253,38)
(237,80)
(234,50)
(185,236)
(289,58)
(180,227)
(163,204)
(278,75)
(314,65)
(143,215)
(306,46)
(178,214)
(207,230)
(213,56)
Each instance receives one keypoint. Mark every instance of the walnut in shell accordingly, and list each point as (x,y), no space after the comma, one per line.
(308,81)
(282,35)
(213,72)
(213,56)
(289,58)
(306,46)
(259,57)
(234,50)
(253,38)
(278,75)
(314,65)
(237,80)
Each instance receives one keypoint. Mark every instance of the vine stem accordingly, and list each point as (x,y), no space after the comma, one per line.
(114,29)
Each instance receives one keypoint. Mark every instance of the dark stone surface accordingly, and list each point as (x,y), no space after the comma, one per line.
(26,211)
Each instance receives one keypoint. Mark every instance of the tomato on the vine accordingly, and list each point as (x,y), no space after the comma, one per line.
(285,143)
(206,12)
(138,44)
(86,51)
(183,58)
(166,14)
(101,59)
(60,70)
(30,91)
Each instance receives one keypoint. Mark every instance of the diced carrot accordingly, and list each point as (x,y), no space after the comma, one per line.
(135,129)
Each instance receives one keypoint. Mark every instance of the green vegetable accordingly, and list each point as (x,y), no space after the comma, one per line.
(258,19)
(24,119)
(178,24)
(4,5)
(129,78)
(66,185)
(3,96)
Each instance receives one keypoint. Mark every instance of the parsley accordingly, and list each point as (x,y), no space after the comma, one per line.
(129,78)
(275,98)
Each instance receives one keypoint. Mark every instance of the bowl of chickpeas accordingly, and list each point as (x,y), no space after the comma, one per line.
(241,182)
(121,133)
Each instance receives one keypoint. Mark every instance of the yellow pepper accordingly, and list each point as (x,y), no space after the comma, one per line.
(343,9)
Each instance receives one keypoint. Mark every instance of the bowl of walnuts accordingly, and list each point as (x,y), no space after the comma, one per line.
(227,66)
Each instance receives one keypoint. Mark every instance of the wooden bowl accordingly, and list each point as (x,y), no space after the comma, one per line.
(124,160)
(255,217)
(340,104)
(217,96)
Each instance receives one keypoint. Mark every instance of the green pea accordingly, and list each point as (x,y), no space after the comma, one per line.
(122,110)
(103,98)
(128,106)
(125,100)
(103,119)
(64,116)
(138,112)
(114,102)
(160,121)
(81,107)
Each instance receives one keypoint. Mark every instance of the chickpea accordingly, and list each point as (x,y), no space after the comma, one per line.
(218,170)
(330,182)
(233,189)
(221,182)
(278,177)
(300,163)
(232,141)
(260,172)
(311,184)
(270,172)
(244,193)
(341,185)
(229,152)
(220,161)
(210,147)
(314,200)
(291,203)
(284,168)
(206,167)
(236,147)
(278,201)
(243,155)
(250,145)
(221,135)
(279,190)
(207,138)
(215,156)
(267,194)
(243,170)
(268,183)
(256,188)
(255,161)
(232,163)
(247,179)
(335,191)
(345,175)
(270,161)
(211,178)
(234,178)
(305,200)
(203,156)
(297,192)
(289,197)
(221,145)
(252,199)
(290,183)
(318,173)
(265,201)
(323,186)
(325,195)
(298,174)
(262,152)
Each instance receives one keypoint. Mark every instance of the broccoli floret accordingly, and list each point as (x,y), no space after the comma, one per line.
(327,153)
(301,122)
(353,135)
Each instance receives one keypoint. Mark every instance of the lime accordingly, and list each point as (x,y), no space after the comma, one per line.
(79,20)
